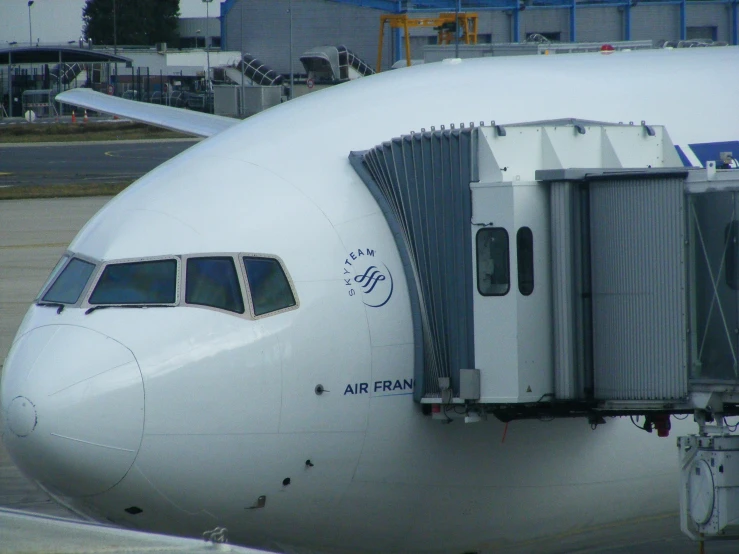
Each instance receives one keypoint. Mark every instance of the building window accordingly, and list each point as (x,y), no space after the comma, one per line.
(493,267)
(269,287)
(152,282)
(525,257)
(213,282)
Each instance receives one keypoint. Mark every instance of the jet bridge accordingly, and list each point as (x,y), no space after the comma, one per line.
(564,269)
(574,269)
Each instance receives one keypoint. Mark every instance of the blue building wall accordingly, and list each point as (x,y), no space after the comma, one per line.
(355,23)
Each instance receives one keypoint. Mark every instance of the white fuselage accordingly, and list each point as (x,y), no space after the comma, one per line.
(191,414)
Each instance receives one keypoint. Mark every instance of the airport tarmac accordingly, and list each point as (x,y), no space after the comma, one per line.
(84,162)
(33,235)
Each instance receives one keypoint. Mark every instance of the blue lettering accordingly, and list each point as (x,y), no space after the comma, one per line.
(386,385)
(359,252)
(407,384)
(351,292)
(347,262)
(370,252)
(378,385)
(346,271)
(363,388)
(352,255)
(397,386)
(348,390)
(348,282)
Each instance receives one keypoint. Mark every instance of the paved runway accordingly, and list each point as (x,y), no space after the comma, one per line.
(80,162)
(33,235)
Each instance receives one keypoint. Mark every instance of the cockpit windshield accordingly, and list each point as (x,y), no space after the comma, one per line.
(70,283)
(259,287)
(270,289)
(53,275)
(151,282)
(214,282)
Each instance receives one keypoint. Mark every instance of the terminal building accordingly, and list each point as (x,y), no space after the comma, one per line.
(263,28)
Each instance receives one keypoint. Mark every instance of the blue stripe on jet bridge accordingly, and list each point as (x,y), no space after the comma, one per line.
(711,151)
(683,157)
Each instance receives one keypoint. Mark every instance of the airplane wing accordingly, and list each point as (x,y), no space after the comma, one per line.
(175,119)
(28,532)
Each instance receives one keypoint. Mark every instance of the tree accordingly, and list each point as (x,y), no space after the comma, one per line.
(137,22)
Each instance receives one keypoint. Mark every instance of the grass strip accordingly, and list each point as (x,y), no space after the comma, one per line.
(24,192)
(66,132)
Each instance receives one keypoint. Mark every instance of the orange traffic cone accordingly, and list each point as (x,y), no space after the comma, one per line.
(74,117)
(85,118)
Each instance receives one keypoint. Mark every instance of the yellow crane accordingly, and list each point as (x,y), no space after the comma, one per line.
(444,23)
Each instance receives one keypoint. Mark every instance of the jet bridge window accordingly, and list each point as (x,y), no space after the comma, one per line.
(214,282)
(70,283)
(525,259)
(493,267)
(152,282)
(268,284)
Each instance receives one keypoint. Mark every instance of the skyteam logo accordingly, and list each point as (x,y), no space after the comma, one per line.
(368,277)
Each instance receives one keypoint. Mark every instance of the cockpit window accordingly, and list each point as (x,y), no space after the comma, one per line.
(153,282)
(54,272)
(270,289)
(214,282)
(70,283)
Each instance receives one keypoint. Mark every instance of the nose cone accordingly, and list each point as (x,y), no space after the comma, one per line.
(72,402)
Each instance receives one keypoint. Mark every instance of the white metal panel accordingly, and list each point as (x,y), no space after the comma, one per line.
(533,311)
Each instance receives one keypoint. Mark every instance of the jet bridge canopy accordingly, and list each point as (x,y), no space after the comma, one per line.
(539,290)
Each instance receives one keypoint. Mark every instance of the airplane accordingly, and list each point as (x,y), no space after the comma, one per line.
(230,342)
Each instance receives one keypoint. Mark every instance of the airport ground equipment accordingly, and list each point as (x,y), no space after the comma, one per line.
(334,64)
(257,72)
(574,269)
(40,102)
(444,23)
(709,484)
(606,290)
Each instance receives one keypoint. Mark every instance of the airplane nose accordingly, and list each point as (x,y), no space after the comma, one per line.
(72,402)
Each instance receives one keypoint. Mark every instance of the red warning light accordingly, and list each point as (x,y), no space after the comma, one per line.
(607,49)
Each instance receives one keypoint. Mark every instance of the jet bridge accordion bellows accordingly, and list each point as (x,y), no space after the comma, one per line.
(422,183)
